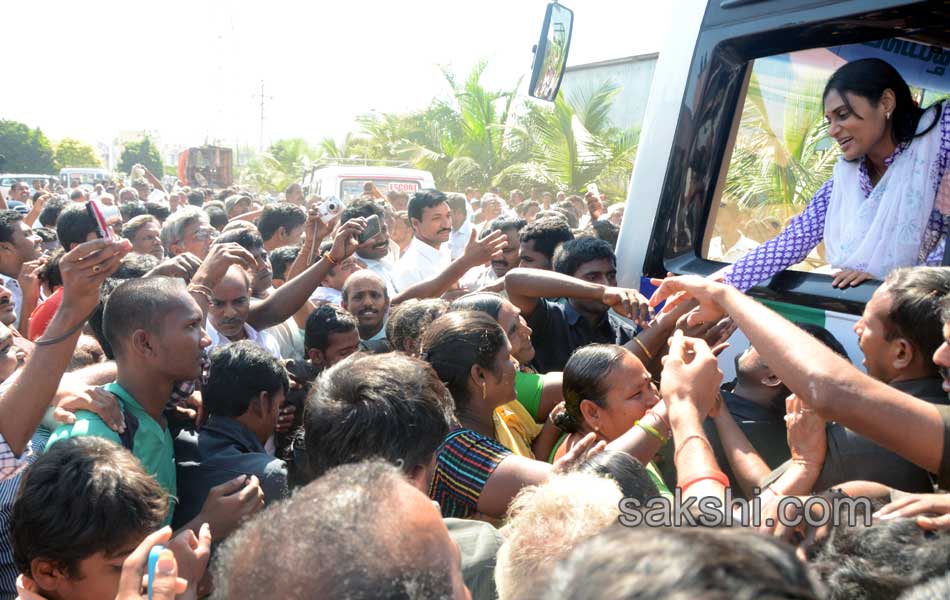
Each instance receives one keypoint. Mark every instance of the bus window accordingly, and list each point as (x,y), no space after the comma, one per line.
(782,153)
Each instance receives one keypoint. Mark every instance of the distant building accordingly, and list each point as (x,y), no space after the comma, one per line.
(633,74)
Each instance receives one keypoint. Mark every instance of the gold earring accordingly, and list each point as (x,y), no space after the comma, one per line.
(484,392)
(887,115)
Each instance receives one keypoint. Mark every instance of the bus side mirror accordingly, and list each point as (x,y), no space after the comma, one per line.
(550,55)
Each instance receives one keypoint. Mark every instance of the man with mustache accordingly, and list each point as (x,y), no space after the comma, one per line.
(506,260)
(899,333)
(365,297)
(427,254)
(228,311)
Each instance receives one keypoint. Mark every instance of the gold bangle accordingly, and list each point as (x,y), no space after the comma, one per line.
(644,348)
(327,256)
(652,431)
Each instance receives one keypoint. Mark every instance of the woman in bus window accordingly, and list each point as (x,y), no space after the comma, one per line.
(884,206)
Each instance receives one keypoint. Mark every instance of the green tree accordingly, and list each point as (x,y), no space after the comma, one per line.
(25,150)
(73,153)
(573,144)
(142,151)
(292,155)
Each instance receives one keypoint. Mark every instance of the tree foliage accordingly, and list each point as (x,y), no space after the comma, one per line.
(73,153)
(25,150)
(142,151)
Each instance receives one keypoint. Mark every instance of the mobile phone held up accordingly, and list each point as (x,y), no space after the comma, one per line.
(373,228)
(95,213)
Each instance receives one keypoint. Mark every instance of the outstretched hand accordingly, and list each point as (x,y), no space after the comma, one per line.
(690,374)
(480,251)
(628,303)
(347,239)
(85,267)
(678,289)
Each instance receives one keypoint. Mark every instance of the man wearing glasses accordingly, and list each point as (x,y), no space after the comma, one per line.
(187,230)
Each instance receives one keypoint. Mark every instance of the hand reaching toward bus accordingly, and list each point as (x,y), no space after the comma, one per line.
(677,289)
(690,374)
(628,303)
(807,438)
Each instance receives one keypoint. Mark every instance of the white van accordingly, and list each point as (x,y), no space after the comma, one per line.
(736,68)
(87,176)
(346,181)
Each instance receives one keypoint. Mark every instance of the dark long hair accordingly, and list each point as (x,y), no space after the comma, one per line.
(585,378)
(868,78)
(456,341)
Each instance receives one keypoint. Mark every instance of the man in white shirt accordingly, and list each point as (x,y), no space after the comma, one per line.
(18,245)
(427,254)
(374,252)
(461,225)
(227,315)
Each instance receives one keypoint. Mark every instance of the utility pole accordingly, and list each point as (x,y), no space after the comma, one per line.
(262,97)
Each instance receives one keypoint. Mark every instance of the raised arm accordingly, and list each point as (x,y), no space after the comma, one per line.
(477,252)
(823,380)
(803,233)
(288,298)
(526,286)
(23,405)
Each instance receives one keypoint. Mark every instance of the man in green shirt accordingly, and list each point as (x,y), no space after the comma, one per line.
(155,329)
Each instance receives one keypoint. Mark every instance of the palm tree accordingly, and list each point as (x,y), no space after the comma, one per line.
(573,144)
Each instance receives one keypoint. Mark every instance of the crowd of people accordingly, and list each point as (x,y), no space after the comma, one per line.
(460,402)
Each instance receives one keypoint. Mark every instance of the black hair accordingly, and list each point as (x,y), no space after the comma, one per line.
(455,342)
(196,198)
(130,210)
(408,320)
(8,218)
(525,206)
(140,304)
(585,378)
(825,337)
(325,321)
(74,226)
(46,234)
(238,373)
(217,217)
(392,407)
(423,199)
(575,253)
(281,259)
(916,299)
(606,231)
(50,213)
(868,78)
(353,511)
(135,266)
(247,237)
(879,561)
(282,214)
(504,224)
(629,473)
(547,234)
(158,210)
(362,208)
(84,495)
(489,303)
(50,272)
(650,563)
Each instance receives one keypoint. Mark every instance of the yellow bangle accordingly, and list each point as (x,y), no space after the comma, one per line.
(327,256)
(644,348)
(652,431)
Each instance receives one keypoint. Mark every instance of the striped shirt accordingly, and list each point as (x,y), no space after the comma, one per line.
(9,486)
(464,462)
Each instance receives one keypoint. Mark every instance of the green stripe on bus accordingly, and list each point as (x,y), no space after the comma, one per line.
(797,313)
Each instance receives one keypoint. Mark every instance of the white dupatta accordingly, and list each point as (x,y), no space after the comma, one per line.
(885,230)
